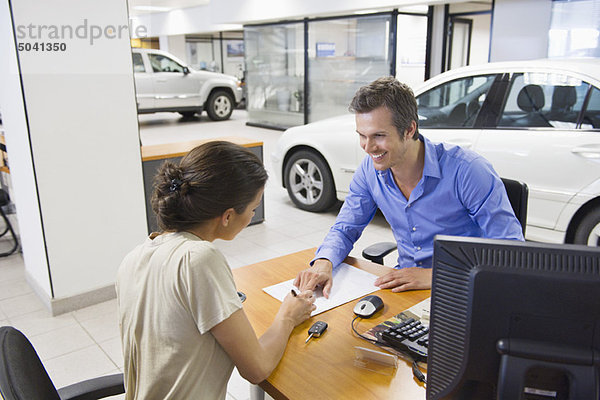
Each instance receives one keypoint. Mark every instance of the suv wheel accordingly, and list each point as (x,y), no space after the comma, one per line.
(220,105)
(309,182)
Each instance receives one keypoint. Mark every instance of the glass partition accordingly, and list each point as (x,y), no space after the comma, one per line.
(344,54)
(274,57)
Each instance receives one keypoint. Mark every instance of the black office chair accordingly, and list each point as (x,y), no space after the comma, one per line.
(517,192)
(23,377)
(4,201)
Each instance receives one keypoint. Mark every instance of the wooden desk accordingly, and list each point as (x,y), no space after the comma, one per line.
(153,156)
(324,368)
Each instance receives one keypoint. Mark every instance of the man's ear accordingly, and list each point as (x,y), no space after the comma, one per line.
(226,216)
(411,131)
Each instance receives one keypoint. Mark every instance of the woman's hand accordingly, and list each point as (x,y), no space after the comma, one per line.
(297,309)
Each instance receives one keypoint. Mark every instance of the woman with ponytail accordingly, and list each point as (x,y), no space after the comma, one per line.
(182,324)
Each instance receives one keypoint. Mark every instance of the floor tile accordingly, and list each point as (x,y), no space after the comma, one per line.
(103,327)
(107,307)
(41,321)
(112,348)
(14,288)
(61,341)
(79,365)
(238,387)
(20,305)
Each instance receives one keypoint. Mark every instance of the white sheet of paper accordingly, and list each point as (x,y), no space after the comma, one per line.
(349,283)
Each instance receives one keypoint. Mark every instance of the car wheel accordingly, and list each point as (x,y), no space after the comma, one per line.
(309,181)
(588,231)
(187,114)
(220,106)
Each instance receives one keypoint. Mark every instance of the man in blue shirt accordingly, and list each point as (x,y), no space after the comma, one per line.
(422,188)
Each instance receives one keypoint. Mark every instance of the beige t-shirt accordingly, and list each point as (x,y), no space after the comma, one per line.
(171,291)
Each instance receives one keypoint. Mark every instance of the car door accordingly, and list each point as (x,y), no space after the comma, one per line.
(538,141)
(144,89)
(448,111)
(173,88)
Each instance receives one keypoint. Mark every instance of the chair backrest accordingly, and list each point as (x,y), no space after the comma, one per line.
(518,194)
(22,375)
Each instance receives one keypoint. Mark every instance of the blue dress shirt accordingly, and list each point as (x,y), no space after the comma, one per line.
(459,194)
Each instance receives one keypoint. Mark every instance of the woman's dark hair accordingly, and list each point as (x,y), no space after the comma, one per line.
(393,95)
(210,179)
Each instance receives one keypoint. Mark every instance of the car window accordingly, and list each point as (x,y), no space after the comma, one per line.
(161,63)
(591,117)
(138,63)
(543,100)
(454,104)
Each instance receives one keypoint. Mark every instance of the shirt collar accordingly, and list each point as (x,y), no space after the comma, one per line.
(432,164)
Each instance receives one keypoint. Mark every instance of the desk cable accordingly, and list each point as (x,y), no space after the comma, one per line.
(415,366)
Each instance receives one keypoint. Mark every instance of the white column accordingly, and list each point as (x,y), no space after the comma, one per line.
(70,121)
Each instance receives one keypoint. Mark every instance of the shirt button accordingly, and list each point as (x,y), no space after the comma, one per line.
(420,263)
(418,247)
(414,228)
(408,205)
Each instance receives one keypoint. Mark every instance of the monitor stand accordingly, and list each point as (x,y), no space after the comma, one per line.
(531,370)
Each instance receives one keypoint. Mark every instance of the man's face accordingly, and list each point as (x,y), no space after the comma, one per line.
(380,139)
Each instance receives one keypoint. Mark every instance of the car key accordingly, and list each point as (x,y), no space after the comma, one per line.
(316,330)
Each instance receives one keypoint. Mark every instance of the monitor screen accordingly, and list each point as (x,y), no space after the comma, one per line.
(514,320)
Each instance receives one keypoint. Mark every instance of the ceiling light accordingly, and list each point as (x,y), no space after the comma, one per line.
(152,8)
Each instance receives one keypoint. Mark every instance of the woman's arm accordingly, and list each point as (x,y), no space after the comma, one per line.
(256,358)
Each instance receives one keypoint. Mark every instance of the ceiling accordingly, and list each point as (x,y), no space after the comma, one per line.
(138,7)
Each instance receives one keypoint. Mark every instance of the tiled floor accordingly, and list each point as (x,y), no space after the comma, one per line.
(85,343)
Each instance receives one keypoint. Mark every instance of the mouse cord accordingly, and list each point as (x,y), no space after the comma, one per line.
(415,366)
(374,341)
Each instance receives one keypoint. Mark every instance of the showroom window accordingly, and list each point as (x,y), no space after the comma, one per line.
(454,104)
(543,100)
(343,55)
(275,74)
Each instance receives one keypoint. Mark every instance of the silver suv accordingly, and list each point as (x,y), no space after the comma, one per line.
(165,83)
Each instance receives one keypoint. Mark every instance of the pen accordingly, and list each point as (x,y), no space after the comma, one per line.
(294,293)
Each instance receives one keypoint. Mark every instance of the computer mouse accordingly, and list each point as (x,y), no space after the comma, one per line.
(368,305)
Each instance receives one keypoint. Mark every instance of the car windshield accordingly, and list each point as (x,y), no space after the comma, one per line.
(455,103)
(161,63)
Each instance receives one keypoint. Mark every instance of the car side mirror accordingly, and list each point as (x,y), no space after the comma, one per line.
(186,70)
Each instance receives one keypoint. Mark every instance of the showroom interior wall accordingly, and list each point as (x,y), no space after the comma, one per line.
(71,131)
(520,30)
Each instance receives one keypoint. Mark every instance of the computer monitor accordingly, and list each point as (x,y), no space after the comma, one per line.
(513,320)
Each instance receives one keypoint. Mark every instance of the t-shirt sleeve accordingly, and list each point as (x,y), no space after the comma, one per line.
(208,286)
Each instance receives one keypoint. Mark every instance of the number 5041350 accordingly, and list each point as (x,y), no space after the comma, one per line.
(42,46)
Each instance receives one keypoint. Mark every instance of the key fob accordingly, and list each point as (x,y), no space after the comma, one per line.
(317,328)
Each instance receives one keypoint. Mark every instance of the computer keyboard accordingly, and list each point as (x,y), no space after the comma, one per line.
(409,336)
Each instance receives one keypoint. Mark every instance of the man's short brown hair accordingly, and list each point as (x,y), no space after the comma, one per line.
(397,97)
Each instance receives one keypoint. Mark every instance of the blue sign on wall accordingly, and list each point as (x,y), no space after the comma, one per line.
(325,49)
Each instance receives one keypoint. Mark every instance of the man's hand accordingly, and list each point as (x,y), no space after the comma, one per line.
(403,279)
(317,275)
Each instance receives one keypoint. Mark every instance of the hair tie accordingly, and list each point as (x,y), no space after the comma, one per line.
(175,185)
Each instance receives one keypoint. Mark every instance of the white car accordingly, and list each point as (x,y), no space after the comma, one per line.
(537,122)
(164,83)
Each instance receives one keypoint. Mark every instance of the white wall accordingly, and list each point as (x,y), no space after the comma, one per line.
(480,39)
(520,29)
(79,137)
